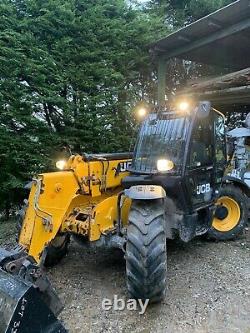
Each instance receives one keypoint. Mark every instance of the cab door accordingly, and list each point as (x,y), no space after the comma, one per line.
(200,167)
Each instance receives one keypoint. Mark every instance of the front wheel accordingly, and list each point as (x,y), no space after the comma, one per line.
(57,250)
(146,252)
(231,214)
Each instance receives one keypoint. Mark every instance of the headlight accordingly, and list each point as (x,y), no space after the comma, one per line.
(61,164)
(164,165)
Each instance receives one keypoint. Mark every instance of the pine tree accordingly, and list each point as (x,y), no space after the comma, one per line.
(70,73)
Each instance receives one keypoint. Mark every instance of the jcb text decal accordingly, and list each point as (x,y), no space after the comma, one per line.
(123,166)
(204,188)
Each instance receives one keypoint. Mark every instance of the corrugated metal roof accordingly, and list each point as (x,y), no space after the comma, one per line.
(221,38)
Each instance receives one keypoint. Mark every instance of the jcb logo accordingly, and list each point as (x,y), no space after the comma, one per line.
(204,188)
(123,166)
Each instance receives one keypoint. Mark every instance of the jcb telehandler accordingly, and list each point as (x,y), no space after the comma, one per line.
(175,185)
(172,187)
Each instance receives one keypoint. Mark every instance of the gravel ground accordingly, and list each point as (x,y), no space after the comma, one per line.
(208,290)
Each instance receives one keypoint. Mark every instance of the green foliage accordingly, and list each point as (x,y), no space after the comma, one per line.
(70,73)
(198,8)
(182,12)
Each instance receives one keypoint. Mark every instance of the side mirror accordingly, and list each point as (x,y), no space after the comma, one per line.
(204,108)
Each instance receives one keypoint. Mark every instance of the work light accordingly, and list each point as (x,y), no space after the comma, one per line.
(61,164)
(183,106)
(164,165)
(141,112)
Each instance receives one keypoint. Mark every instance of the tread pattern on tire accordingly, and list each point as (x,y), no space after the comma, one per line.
(56,254)
(146,256)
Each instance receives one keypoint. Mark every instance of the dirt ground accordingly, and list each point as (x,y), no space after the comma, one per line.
(208,289)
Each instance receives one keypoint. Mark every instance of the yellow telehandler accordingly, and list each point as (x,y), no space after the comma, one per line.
(172,187)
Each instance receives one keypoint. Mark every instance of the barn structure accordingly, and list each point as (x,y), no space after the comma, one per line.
(221,39)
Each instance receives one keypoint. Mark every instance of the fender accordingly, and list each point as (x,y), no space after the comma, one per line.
(238,182)
(145,192)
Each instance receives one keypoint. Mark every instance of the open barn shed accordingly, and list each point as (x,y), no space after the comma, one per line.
(221,39)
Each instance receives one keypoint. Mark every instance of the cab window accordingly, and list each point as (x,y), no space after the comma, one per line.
(220,145)
(201,149)
(219,138)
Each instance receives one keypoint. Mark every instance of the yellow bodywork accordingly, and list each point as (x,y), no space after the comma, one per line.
(81,199)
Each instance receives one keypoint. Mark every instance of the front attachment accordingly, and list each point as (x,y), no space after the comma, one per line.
(27,301)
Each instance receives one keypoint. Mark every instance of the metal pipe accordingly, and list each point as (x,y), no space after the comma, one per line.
(161,82)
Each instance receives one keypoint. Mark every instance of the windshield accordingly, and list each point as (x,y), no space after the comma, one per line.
(161,136)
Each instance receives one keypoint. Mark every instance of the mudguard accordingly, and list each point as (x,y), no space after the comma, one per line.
(145,192)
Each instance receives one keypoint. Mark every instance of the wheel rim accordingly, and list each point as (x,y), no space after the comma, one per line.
(233,217)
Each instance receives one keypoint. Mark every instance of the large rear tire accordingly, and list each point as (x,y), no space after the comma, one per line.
(146,251)
(231,215)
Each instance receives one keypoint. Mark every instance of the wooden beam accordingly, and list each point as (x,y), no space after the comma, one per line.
(235,95)
(239,78)
(213,23)
(184,38)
